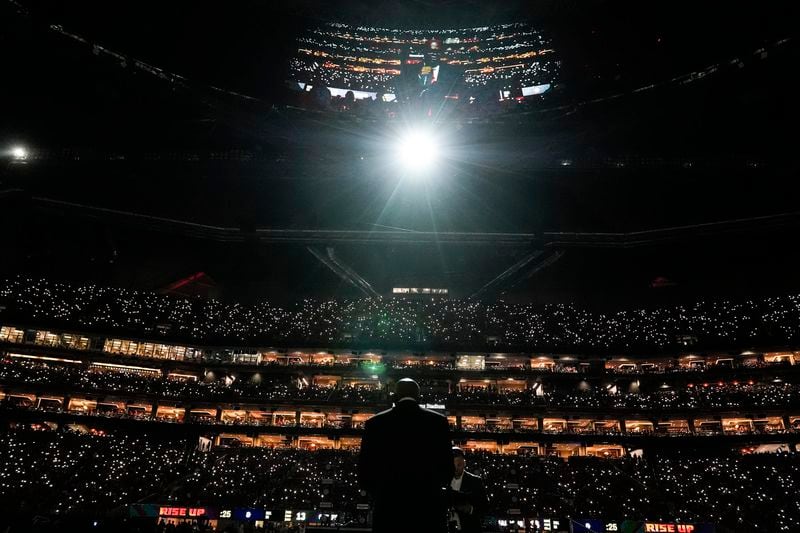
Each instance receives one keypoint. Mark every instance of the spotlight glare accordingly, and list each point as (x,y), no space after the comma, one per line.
(417,151)
(19,152)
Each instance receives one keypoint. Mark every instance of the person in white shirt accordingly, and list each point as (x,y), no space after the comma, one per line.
(467,497)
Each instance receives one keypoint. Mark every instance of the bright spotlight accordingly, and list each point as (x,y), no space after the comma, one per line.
(19,152)
(417,151)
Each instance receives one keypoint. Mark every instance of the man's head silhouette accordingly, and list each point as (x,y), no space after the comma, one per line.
(406,388)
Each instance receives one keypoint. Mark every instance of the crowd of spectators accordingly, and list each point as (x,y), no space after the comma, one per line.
(483,105)
(55,473)
(508,56)
(722,395)
(62,473)
(705,396)
(73,378)
(737,493)
(387,321)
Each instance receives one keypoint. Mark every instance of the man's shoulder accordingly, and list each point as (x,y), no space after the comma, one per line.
(388,414)
(432,414)
(385,412)
(472,477)
(376,418)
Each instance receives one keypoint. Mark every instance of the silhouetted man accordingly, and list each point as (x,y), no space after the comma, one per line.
(467,497)
(405,463)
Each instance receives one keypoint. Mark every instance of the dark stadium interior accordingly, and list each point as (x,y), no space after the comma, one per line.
(689,154)
(224,243)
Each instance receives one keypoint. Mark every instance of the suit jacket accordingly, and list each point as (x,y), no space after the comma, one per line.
(404,465)
(472,492)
